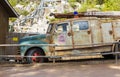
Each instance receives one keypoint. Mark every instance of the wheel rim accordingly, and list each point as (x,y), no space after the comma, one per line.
(36,58)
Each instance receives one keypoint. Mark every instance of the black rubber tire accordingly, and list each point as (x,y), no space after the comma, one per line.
(108,56)
(37,59)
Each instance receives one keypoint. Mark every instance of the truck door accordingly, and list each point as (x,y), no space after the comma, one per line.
(107,32)
(61,36)
(81,33)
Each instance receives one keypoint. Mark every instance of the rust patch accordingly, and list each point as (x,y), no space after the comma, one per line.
(69,34)
(110,32)
(89,32)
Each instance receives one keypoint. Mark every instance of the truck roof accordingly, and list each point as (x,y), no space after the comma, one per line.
(107,14)
(72,19)
(86,15)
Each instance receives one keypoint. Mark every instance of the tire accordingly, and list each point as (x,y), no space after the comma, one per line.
(112,56)
(35,52)
(108,56)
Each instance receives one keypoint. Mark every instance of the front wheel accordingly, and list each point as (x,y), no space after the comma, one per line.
(36,52)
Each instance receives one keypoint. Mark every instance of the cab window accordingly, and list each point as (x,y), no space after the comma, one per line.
(80,25)
(62,27)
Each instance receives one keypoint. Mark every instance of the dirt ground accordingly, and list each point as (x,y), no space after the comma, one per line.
(60,70)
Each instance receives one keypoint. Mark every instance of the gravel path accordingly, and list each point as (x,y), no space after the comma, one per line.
(70,69)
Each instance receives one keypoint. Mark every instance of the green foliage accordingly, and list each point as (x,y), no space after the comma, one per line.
(72,3)
(83,8)
(89,4)
(57,19)
(21,2)
(12,19)
(13,2)
(105,5)
(25,12)
(113,5)
(24,2)
(65,11)
(72,0)
(100,2)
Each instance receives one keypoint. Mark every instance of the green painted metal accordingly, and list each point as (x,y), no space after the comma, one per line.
(36,39)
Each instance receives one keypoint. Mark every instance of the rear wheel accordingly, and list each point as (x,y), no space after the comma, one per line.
(111,56)
(35,53)
(108,56)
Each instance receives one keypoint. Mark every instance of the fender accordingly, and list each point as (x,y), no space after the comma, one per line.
(37,39)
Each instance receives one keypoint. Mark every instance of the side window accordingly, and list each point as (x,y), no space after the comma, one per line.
(80,25)
(63,27)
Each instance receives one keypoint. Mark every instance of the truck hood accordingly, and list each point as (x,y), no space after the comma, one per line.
(32,38)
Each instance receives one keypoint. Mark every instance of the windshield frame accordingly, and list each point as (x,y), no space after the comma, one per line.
(50,28)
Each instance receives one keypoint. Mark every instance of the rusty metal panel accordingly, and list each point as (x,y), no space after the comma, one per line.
(116,26)
(107,32)
(81,32)
(96,31)
(88,50)
(61,36)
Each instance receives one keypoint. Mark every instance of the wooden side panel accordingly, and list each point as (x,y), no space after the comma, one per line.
(13,38)
(3,28)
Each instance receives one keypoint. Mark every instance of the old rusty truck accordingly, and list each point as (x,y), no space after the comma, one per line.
(89,32)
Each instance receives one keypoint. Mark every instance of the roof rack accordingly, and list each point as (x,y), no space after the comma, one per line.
(107,14)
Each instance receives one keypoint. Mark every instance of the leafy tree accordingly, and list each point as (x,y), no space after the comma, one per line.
(100,2)
(105,5)
(113,5)
(87,5)
(13,2)
(72,3)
